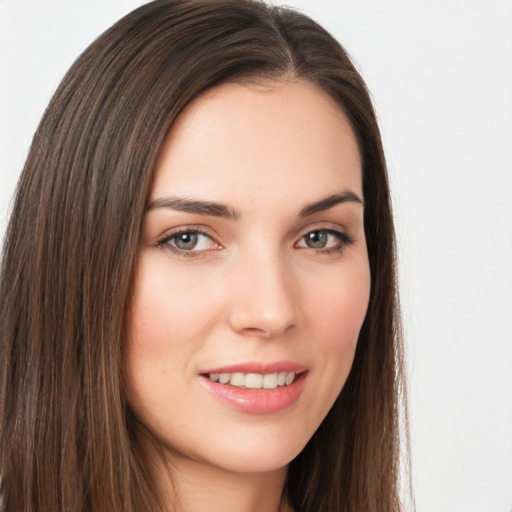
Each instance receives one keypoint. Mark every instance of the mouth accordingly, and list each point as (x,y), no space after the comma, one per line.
(255,380)
(257,388)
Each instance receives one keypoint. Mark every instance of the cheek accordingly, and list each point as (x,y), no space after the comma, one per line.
(169,313)
(341,308)
(336,312)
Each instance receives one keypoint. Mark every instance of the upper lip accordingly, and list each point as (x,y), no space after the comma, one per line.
(259,367)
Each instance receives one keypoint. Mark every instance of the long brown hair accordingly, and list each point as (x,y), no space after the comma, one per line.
(67,437)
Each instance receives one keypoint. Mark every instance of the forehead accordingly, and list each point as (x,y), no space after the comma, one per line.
(238,139)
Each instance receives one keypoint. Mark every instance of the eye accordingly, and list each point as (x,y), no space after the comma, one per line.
(188,241)
(325,240)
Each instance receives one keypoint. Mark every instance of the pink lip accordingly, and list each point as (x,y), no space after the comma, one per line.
(258,401)
(259,367)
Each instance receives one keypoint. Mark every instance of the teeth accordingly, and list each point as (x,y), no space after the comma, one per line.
(289,378)
(254,380)
(270,381)
(237,379)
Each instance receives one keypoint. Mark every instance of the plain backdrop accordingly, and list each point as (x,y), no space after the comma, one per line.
(440,73)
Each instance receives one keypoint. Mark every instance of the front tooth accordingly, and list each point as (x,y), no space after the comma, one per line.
(270,381)
(281,379)
(237,379)
(253,380)
(224,378)
(290,377)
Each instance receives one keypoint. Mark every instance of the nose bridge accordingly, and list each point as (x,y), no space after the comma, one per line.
(265,302)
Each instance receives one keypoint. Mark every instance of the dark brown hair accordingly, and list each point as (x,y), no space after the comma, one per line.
(67,437)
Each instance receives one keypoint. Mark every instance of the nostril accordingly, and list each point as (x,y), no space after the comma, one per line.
(266,333)
(254,331)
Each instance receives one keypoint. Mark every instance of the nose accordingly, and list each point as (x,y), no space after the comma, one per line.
(264,303)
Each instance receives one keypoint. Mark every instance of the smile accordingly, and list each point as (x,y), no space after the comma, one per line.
(254,380)
(257,388)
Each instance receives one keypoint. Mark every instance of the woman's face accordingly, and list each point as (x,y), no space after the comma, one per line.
(253,278)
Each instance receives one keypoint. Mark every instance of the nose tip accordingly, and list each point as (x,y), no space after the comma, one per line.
(263,325)
(265,305)
(251,322)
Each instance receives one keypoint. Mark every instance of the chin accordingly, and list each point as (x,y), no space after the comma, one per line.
(246,451)
(256,461)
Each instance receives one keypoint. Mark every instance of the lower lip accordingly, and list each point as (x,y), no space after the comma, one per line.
(257,401)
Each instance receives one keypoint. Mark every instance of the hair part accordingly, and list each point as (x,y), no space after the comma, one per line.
(68,440)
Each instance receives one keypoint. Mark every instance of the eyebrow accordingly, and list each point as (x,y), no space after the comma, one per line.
(221,210)
(330,201)
(195,206)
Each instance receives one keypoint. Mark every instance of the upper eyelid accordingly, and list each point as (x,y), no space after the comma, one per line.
(202,230)
(343,236)
(323,226)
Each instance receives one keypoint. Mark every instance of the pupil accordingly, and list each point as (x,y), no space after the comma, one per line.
(186,241)
(316,240)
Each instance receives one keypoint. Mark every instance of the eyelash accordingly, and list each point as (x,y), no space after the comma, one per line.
(164,242)
(344,240)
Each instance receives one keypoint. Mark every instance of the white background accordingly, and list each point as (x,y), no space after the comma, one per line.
(441,76)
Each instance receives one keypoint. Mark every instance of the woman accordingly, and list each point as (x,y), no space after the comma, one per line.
(198,301)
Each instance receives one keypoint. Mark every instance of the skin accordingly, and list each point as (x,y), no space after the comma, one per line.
(251,290)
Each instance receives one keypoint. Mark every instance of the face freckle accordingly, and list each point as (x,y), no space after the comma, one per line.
(237,276)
